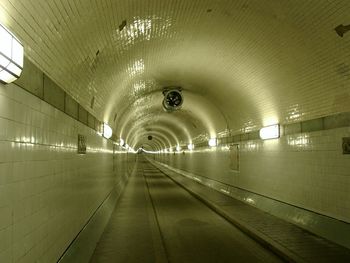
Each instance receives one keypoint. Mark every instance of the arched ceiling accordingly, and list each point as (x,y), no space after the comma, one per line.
(241,64)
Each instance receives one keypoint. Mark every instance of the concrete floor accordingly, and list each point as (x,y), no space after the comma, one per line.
(155,220)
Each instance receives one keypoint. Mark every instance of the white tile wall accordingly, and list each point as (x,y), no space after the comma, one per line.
(307,170)
(256,62)
(47,190)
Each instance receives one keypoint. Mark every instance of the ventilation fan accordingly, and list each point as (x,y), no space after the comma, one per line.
(172,99)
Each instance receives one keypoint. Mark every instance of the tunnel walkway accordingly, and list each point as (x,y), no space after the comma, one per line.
(155,220)
(291,242)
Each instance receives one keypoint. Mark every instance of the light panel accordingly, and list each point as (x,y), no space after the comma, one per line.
(190,146)
(212,142)
(11,56)
(270,132)
(107,131)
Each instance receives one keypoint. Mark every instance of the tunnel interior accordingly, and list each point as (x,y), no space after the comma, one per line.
(240,65)
(262,113)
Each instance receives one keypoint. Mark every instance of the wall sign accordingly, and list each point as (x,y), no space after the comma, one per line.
(81,144)
(346,145)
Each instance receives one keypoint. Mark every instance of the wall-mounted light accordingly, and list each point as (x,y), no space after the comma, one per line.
(190,146)
(178,148)
(121,142)
(213,142)
(107,131)
(270,132)
(11,56)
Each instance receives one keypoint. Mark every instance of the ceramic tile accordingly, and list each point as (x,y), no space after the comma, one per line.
(41,178)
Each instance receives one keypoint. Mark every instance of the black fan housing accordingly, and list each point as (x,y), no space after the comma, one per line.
(173,99)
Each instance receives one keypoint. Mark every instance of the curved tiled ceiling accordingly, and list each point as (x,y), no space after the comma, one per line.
(241,64)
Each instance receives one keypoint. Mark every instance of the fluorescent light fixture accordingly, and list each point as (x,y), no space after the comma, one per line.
(178,148)
(107,131)
(212,142)
(11,56)
(270,132)
(190,146)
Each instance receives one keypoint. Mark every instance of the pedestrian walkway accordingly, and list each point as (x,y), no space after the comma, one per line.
(286,239)
(132,232)
(156,220)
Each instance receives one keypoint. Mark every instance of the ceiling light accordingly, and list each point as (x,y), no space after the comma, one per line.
(107,131)
(212,142)
(11,56)
(270,132)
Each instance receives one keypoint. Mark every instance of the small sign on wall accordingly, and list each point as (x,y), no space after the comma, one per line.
(234,157)
(81,144)
(346,145)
